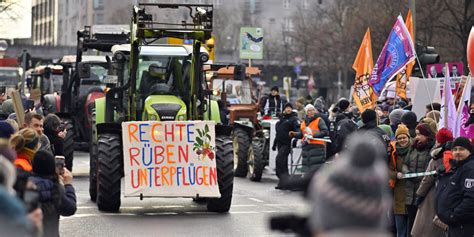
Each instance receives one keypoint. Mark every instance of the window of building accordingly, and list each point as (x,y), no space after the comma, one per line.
(286,4)
(217,3)
(288,40)
(99,18)
(288,24)
(306,4)
(98,4)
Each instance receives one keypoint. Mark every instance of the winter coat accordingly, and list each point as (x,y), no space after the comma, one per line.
(314,155)
(287,123)
(45,143)
(423,225)
(55,200)
(343,127)
(455,199)
(372,127)
(273,105)
(416,161)
(399,207)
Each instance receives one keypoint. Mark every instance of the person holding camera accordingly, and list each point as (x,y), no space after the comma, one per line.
(56,132)
(54,184)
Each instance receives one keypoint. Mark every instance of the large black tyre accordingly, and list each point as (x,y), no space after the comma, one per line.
(93,161)
(109,172)
(241,142)
(256,160)
(68,146)
(225,176)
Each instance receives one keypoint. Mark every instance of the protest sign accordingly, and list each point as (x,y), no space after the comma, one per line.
(421,91)
(170,159)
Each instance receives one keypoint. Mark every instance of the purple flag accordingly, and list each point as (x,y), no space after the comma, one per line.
(397,52)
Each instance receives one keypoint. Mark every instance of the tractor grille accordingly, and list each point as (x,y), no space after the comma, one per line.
(167,112)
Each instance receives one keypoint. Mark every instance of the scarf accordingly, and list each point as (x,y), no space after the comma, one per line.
(27,153)
(402,151)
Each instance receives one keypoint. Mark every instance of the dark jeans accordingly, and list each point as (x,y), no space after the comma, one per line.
(401,221)
(411,211)
(282,161)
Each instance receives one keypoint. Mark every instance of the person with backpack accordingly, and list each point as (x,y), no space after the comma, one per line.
(57,195)
(342,126)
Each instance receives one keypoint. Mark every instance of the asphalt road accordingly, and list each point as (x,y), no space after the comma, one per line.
(252,206)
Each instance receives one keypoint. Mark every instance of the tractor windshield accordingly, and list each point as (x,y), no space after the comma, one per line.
(9,77)
(237,91)
(97,76)
(159,74)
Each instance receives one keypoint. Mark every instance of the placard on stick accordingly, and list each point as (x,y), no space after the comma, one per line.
(18,107)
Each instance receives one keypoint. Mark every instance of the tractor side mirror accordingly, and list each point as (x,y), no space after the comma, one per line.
(84,70)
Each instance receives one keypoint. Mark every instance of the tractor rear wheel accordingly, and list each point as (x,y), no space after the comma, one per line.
(109,172)
(68,146)
(93,161)
(241,142)
(256,161)
(225,176)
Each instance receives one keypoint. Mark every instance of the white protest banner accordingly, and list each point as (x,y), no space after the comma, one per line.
(170,159)
(421,91)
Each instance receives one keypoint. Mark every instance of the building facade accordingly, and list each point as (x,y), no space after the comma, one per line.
(44,22)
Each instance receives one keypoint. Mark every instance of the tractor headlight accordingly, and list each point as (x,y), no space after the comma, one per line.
(153,117)
(180,117)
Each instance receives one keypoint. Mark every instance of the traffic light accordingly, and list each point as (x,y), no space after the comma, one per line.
(427,54)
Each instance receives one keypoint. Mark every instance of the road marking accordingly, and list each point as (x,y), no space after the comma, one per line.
(244,205)
(86,207)
(282,205)
(132,208)
(280,211)
(200,213)
(160,213)
(169,206)
(244,212)
(255,200)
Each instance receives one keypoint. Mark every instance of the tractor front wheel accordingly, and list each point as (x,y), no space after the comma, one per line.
(93,161)
(68,146)
(256,161)
(109,172)
(241,142)
(225,175)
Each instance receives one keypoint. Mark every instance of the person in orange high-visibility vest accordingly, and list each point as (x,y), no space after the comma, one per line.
(314,150)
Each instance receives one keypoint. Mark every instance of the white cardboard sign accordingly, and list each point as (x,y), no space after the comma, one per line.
(170,159)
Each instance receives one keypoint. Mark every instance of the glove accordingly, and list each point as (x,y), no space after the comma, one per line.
(419,200)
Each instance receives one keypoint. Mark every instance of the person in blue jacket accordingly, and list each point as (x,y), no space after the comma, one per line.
(57,195)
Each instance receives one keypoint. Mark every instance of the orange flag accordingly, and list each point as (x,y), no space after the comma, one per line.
(404,75)
(363,95)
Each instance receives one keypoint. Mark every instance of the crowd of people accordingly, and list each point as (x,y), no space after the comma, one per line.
(36,184)
(429,174)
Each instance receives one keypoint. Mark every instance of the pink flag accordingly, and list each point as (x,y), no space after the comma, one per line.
(448,114)
(463,112)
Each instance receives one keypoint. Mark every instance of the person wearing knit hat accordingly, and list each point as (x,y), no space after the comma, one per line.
(343,104)
(410,120)
(288,122)
(425,194)
(431,124)
(369,118)
(313,150)
(319,104)
(273,104)
(26,143)
(395,118)
(455,201)
(55,198)
(352,203)
(416,162)
(396,164)
(387,129)
(6,130)
(434,114)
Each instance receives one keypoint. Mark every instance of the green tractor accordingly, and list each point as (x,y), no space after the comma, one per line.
(160,86)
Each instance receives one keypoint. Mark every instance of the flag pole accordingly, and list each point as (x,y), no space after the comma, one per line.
(424,78)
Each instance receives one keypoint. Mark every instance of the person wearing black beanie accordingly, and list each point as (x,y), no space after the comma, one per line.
(455,201)
(273,104)
(410,120)
(57,195)
(369,118)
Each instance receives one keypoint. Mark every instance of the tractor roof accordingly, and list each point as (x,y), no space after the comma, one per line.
(160,49)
